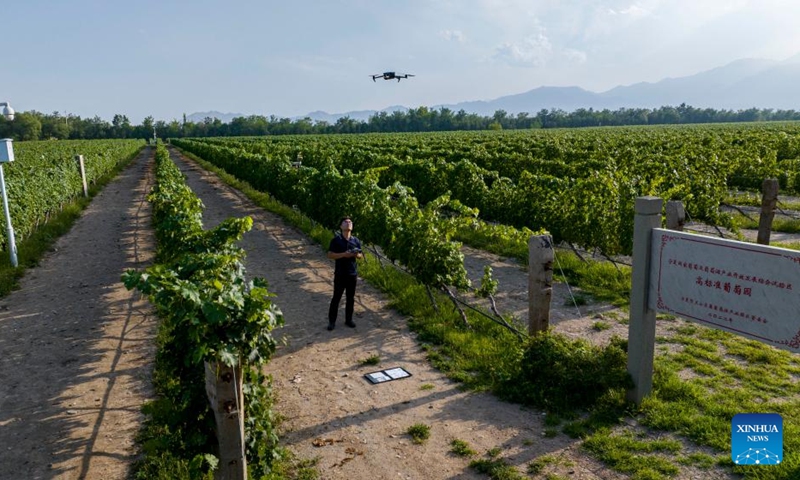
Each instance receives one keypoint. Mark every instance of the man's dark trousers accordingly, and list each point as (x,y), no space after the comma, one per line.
(342,283)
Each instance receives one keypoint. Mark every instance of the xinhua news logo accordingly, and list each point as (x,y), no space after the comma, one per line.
(757,439)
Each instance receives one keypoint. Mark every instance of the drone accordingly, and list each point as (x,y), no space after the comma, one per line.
(391,76)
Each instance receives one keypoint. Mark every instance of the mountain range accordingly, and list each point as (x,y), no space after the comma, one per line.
(739,85)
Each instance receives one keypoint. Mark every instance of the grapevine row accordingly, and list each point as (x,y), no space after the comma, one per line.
(418,237)
(45,176)
(209,313)
(579,186)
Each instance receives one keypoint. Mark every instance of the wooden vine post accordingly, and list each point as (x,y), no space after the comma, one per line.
(540,282)
(769,201)
(224,390)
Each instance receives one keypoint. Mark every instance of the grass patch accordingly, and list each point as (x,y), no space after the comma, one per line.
(599,326)
(371,360)
(731,379)
(496,469)
(461,448)
(753,199)
(638,457)
(550,432)
(290,466)
(427,386)
(499,239)
(789,245)
(577,299)
(783,225)
(537,466)
(419,433)
(601,280)
(699,460)
(552,420)
(555,476)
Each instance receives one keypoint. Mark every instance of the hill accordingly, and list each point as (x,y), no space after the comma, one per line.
(739,85)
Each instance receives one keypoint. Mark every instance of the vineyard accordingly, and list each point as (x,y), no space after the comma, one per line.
(578,185)
(414,199)
(413,194)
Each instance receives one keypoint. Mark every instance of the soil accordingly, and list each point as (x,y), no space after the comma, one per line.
(78,352)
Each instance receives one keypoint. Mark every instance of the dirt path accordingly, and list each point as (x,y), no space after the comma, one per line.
(77,347)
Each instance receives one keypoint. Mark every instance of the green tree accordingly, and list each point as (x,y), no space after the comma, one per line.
(121,126)
(27,126)
(145,130)
(54,126)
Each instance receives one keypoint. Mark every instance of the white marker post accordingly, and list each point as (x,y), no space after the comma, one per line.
(79,159)
(6,156)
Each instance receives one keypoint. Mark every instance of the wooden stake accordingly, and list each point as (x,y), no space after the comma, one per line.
(769,200)
(224,391)
(540,282)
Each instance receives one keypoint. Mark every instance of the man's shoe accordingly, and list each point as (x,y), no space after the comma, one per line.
(350,324)
(331,325)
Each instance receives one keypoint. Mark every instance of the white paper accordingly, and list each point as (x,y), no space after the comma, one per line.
(396,373)
(378,377)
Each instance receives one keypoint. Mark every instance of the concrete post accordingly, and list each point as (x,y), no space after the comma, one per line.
(676,215)
(642,327)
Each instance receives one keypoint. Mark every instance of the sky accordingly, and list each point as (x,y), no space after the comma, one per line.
(288,58)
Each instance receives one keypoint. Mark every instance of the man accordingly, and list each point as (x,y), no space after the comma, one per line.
(345,249)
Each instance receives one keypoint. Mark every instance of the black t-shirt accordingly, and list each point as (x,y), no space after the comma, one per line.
(344,266)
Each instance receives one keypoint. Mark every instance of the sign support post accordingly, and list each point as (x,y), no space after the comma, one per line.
(642,327)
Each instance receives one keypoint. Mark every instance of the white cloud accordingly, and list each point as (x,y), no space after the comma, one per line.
(312,63)
(574,56)
(533,51)
(537,51)
(633,11)
(453,35)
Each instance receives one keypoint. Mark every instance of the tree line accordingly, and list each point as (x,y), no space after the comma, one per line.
(34,125)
